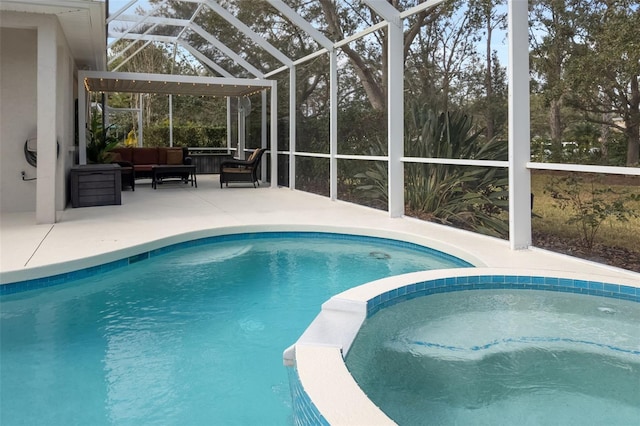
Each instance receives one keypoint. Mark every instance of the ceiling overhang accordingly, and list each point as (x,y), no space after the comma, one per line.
(82,21)
(168,84)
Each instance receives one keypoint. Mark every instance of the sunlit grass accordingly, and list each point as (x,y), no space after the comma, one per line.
(551,219)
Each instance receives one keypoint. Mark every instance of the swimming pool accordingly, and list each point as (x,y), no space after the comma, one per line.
(502,357)
(333,396)
(189,334)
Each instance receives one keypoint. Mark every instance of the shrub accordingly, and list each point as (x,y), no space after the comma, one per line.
(192,136)
(590,204)
(466,196)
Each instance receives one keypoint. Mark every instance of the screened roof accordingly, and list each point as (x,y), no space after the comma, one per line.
(171,84)
(236,46)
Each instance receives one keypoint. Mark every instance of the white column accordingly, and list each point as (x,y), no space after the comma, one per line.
(140,121)
(263,132)
(292,127)
(395,117)
(242,127)
(170,119)
(274,134)
(82,119)
(519,139)
(333,124)
(229,124)
(46,84)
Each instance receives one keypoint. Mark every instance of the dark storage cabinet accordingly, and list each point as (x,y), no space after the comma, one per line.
(208,163)
(95,185)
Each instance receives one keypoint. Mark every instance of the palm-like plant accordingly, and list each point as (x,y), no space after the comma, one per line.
(100,142)
(466,196)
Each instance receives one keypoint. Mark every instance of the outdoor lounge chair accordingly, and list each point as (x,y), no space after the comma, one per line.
(241,170)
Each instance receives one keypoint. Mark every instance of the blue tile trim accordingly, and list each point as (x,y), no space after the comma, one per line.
(20,286)
(66,277)
(304,410)
(511,282)
(525,340)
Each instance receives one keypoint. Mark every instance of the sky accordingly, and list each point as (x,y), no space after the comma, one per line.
(499,41)
(115,5)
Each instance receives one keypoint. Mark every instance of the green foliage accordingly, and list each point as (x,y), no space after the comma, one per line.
(466,196)
(603,71)
(375,190)
(616,149)
(312,175)
(100,142)
(590,204)
(192,136)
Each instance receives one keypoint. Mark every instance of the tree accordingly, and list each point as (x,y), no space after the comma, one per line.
(552,32)
(371,64)
(485,16)
(604,68)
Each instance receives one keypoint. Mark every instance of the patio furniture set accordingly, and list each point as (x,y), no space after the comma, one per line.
(100,184)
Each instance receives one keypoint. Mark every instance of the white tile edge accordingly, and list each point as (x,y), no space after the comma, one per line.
(338,397)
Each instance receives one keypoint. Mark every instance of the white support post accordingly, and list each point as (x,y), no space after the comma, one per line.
(170,119)
(46,86)
(395,117)
(519,137)
(263,132)
(82,119)
(105,106)
(242,127)
(140,108)
(229,146)
(274,134)
(333,125)
(292,127)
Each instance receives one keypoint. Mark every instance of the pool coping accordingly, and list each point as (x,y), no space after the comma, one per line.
(51,274)
(332,396)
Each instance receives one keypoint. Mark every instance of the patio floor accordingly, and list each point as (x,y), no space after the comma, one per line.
(150,218)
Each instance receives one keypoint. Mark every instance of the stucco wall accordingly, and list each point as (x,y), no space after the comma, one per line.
(18,111)
(67,93)
(18,71)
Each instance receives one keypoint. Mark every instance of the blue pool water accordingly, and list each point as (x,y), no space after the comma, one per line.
(502,357)
(192,336)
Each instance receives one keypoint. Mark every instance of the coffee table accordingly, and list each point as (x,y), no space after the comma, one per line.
(185,172)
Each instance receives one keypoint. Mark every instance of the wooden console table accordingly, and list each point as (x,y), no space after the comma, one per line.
(186,173)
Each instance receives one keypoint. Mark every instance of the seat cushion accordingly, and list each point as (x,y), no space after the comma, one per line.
(143,167)
(236,170)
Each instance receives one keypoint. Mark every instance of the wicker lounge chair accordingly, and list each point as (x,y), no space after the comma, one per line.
(241,170)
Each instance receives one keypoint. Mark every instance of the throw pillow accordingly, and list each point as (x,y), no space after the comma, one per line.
(174,156)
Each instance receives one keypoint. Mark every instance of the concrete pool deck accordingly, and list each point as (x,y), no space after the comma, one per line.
(175,212)
(149,219)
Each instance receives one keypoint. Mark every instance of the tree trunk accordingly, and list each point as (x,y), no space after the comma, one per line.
(376,89)
(555,128)
(632,123)
(633,146)
(605,131)
(489,83)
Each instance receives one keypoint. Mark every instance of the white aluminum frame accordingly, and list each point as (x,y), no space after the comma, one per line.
(166,78)
(518,164)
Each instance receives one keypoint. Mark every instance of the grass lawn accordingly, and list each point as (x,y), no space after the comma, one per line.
(551,220)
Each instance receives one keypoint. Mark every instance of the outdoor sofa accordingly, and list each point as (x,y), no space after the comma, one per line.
(142,159)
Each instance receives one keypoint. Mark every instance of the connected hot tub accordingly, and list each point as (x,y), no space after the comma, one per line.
(481,346)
